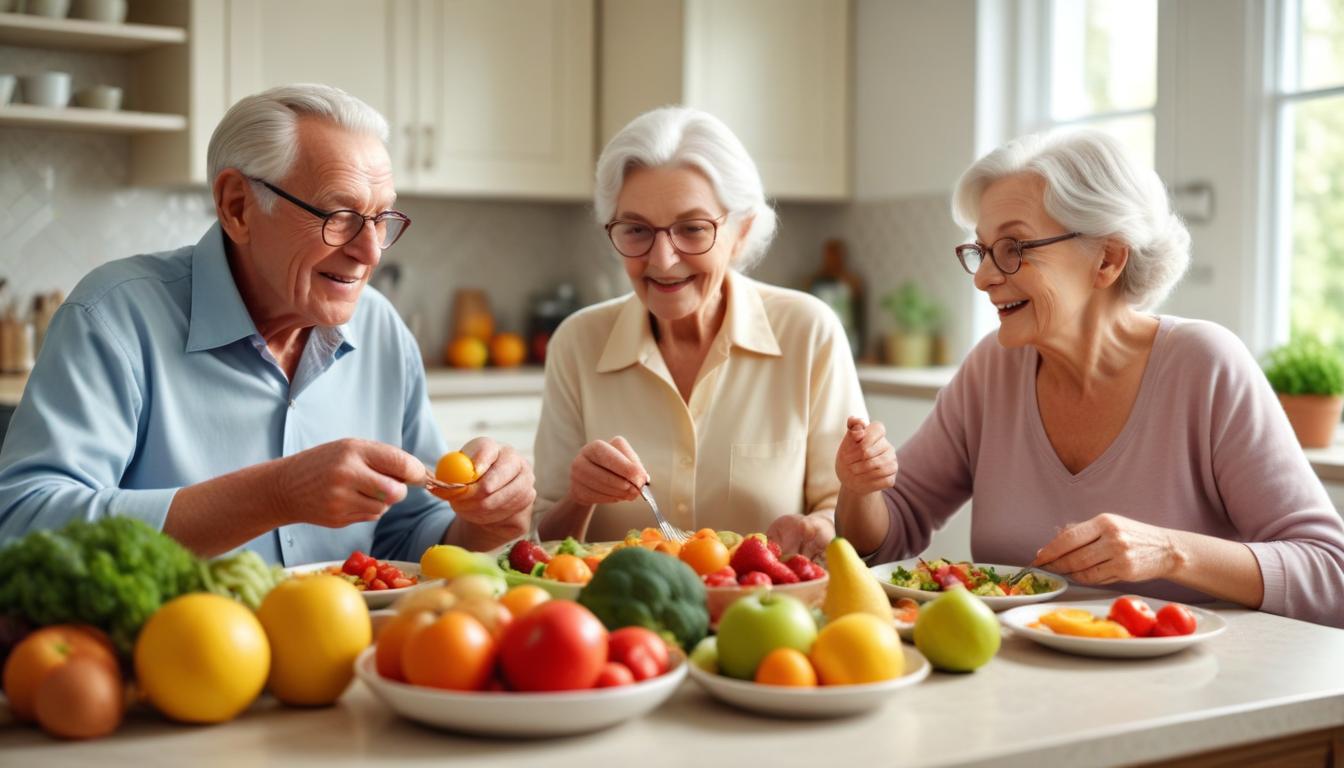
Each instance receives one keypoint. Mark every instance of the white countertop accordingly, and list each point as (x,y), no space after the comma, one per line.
(1265,677)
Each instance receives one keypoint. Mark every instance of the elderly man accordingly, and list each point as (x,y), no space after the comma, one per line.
(247,390)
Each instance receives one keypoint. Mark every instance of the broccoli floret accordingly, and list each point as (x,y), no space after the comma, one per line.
(637,587)
(112,574)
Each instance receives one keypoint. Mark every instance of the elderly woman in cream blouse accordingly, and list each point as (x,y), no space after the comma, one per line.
(726,395)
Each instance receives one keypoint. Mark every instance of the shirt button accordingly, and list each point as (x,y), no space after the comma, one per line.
(291,403)
(289,540)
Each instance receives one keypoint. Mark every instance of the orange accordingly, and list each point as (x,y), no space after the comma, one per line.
(392,638)
(705,554)
(42,652)
(507,350)
(857,648)
(569,569)
(455,652)
(455,467)
(786,666)
(466,352)
(524,598)
(668,548)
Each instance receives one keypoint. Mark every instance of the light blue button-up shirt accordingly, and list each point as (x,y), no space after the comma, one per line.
(153,377)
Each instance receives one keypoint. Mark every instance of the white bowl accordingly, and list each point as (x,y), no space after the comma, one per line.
(48,89)
(819,702)
(521,714)
(1207,625)
(107,11)
(98,97)
(374,599)
(53,9)
(883,575)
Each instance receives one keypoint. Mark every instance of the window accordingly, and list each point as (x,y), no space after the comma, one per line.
(1309,216)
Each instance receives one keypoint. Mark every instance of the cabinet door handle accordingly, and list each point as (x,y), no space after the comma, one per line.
(410,147)
(429,147)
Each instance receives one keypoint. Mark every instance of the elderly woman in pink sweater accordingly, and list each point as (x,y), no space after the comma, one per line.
(1121,448)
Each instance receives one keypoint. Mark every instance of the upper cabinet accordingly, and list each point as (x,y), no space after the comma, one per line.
(495,97)
(776,71)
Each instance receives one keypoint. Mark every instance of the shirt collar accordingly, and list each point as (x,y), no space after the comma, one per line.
(745,325)
(218,315)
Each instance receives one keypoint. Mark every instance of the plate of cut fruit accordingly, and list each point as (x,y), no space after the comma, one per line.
(999,586)
(1127,627)
(380,581)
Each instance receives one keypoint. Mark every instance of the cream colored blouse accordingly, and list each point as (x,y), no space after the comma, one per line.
(757,439)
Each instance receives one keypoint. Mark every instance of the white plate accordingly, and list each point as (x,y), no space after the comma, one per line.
(883,575)
(1208,625)
(822,701)
(521,714)
(374,599)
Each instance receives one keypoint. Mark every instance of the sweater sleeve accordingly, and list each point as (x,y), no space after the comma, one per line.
(1272,496)
(934,467)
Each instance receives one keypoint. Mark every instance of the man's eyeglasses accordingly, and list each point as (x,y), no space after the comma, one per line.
(343,226)
(1006,252)
(691,237)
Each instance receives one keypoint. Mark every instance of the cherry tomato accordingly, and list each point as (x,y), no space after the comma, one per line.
(640,650)
(557,646)
(614,674)
(1133,614)
(1174,619)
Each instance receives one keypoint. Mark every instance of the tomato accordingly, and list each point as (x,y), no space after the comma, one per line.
(557,646)
(614,674)
(639,649)
(704,554)
(1174,619)
(1134,615)
(455,652)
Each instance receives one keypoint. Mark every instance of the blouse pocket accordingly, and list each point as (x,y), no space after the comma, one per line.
(765,480)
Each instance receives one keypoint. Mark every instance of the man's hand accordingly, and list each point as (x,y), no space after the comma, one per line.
(500,501)
(343,482)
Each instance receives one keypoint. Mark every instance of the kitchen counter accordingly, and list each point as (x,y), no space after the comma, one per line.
(1266,677)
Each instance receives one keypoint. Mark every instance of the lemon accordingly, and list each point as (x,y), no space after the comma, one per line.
(317,626)
(857,648)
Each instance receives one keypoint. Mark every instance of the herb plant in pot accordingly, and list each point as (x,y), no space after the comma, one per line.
(1309,379)
(917,318)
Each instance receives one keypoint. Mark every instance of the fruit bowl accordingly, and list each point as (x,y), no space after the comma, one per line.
(381,598)
(810,593)
(521,714)
(820,702)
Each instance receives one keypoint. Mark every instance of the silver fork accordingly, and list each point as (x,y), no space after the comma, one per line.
(670,532)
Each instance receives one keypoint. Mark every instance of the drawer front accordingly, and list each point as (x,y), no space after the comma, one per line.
(508,420)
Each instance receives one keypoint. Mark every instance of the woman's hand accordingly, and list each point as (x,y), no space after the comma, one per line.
(1110,548)
(807,535)
(866,460)
(606,472)
(500,500)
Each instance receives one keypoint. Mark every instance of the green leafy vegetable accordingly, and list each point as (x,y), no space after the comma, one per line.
(637,587)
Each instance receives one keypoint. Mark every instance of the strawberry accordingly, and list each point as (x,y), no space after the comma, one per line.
(774,548)
(719,579)
(779,573)
(525,555)
(756,579)
(800,566)
(752,555)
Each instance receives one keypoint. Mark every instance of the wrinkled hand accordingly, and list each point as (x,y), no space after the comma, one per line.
(806,535)
(866,460)
(500,500)
(606,472)
(344,482)
(1110,548)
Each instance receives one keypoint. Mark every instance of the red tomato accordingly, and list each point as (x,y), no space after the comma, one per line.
(639,649)
(1174,619)
(1134,615)
(557,646)
(614,674)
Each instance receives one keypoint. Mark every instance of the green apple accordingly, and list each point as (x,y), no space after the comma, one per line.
(757,624)
(706,655)
(957,632)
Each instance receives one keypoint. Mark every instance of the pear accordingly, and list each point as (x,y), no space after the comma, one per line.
(852,587)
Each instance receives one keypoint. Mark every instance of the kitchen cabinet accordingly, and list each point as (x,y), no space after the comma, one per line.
(508,419)
(776,71)
(494,97)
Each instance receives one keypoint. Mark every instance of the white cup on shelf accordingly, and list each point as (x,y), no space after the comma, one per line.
(108,11)
(52,9)
(48,89)
(98,97)
(7,83)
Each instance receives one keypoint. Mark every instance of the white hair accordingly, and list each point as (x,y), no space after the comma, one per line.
(258,135)
(681,136)
(1092,186)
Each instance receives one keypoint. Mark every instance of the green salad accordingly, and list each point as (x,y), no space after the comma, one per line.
(939,574)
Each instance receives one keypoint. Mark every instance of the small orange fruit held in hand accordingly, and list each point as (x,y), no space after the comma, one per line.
(786,666)
(466,352)
(455,467)
(507,350)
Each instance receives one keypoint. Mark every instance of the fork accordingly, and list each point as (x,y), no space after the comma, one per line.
(431,482)
(670,532)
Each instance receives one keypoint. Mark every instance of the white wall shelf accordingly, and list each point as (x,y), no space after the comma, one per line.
(79,118)
(79,34)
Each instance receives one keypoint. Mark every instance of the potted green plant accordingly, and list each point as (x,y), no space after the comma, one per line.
(1309,379)
(916,317)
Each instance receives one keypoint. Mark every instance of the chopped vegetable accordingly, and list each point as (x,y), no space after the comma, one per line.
(244,576)
(939,574)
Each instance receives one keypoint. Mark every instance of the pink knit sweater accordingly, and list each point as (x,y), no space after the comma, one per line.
(1207,449)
